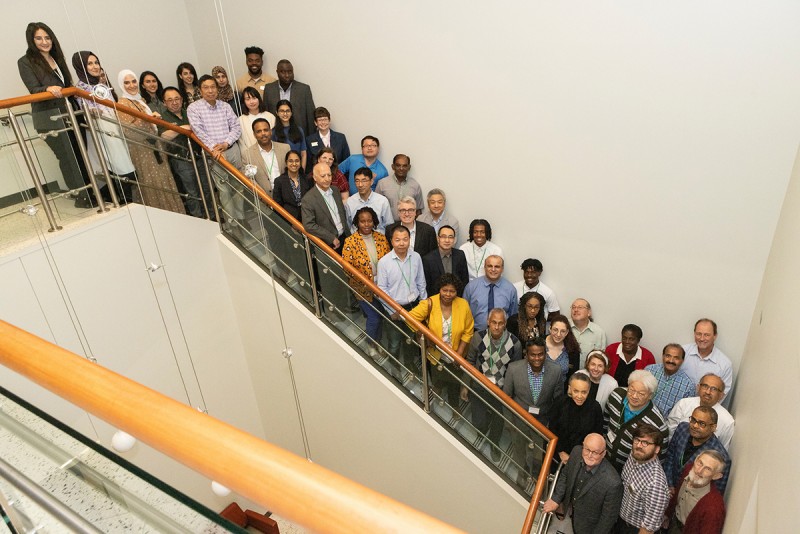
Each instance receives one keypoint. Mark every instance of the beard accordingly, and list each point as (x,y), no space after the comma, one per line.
(696,481)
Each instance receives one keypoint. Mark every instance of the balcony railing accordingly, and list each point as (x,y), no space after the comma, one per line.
(322,280)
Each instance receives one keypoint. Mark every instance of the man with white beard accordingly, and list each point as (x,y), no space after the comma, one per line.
(698,505)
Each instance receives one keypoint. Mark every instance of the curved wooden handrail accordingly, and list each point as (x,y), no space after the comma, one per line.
(416,325)
(293,487)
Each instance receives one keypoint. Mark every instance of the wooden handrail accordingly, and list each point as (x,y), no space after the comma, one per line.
(293,487)
(416,325)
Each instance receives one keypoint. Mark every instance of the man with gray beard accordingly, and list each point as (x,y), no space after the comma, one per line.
(698,507)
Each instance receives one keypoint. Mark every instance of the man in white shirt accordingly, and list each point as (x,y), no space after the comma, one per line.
(367,197)
(531,271)
(710,392)
(479,247)
(703,356)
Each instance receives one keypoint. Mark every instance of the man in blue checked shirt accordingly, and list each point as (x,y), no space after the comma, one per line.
(673,383)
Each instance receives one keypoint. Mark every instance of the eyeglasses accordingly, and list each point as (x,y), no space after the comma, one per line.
(170,100)
(701,424)
(590,452)
(406,210)
(576,307)
(712,389)
(369,145)
(637,394)
(284,111)
(644,442)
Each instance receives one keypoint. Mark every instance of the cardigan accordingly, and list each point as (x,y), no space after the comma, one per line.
(619,438)
(355,253)
(707,516)
(461,322)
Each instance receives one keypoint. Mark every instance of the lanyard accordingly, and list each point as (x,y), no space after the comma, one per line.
(477,263)
(406,280)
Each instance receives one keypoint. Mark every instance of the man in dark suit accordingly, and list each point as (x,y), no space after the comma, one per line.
(589,490)
(433,263)
(325,137)
(538,401)
(267,156)
(298,93)
(423,236)
(323,211)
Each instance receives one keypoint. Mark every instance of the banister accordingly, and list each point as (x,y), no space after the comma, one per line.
(294,488)
(418,326)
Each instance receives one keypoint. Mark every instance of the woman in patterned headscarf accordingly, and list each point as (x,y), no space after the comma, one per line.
(226,92)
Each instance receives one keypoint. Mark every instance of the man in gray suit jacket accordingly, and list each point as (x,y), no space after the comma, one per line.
(536,391)
(589,490)
(268,157)
(299,96)
(323,211)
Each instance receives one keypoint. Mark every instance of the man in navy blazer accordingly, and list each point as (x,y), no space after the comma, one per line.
(325,137)
(299,94)
(433,261)
(589,490)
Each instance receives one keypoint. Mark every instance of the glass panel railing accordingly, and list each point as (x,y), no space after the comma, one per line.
(103,489)
(457,400)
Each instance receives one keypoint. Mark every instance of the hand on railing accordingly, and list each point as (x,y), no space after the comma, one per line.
(54,90)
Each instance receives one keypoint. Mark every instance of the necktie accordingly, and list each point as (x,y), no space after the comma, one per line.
(491,297)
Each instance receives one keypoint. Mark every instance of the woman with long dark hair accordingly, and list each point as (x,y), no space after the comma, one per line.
(44,68)
(562,347)
(530,322)
(152,92)
(254,108)
(287,131)
(186,76)
(90,76)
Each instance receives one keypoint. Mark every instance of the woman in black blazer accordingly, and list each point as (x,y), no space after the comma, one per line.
(290,186)
(43,68)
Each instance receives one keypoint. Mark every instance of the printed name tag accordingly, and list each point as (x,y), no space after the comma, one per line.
(534,410)
(314,143)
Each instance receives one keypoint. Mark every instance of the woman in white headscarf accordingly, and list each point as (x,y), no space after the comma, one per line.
(156,184)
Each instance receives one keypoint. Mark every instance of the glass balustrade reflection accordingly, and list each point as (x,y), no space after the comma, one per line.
(108,492)
(22,514)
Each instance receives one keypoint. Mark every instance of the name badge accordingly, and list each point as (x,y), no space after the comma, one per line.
(492,379)
(262,87)
(534,410)
(314,143)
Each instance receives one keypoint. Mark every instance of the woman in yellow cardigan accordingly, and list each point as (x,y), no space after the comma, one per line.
(448,316)
(362,250)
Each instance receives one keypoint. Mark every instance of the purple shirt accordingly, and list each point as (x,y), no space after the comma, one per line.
(214,124)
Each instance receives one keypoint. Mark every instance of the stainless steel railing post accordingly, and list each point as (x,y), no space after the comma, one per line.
(312,278)
(210,187)
(82,147)
(37,182)
(197,175)
(426,399)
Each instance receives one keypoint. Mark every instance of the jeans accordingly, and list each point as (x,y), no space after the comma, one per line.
(373,318)
(184,171)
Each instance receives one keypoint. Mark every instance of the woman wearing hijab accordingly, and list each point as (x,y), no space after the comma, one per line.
(44,68)
(156,184)
(225,91)
(87,67)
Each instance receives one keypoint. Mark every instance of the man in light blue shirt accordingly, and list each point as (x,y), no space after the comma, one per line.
(401,276)
(370,146)
(366,197)
(490,291)
(704,357)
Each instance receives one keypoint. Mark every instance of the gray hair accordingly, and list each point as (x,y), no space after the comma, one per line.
(407,200)
(436,191)
(646,378)
(715,376)
(498,310)
(715,455)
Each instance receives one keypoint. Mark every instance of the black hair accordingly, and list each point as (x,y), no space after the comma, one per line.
(449,279)
(634,329)
(252,91)
(144,92)
(366,209)
(481,222)
(293,133)
(35,56)
(254,50)
(531,262)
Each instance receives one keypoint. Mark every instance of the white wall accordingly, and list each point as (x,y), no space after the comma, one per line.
(640,150)
(760,494)
(87,289)
(358,423)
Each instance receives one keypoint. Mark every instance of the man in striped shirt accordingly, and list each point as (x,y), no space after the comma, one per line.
(645,492)
(626,410)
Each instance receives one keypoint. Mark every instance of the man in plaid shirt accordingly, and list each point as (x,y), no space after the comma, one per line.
(673,383)
(645,490)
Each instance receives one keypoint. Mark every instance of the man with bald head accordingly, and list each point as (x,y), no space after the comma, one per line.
(323,211)
(589,490)
(589,334)
(490,291)
(710,392)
